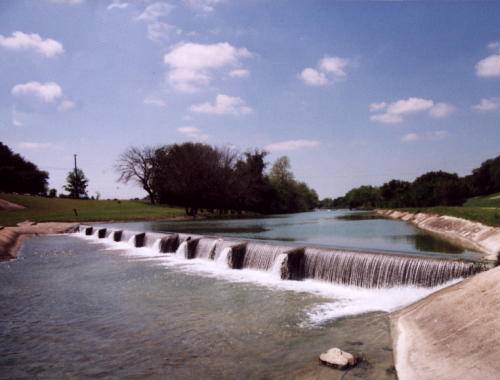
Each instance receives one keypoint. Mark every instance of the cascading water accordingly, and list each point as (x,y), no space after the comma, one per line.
(222,258)
(278,264)
(262,256)
(382,270)
(361,269)
(156,245)
(205,248)
(182,250)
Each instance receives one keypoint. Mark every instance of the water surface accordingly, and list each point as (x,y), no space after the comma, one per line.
(322,228)
(72,308)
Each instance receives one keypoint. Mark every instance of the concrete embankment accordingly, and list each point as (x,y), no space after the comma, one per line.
(452,334)
(11,237)
(469,234)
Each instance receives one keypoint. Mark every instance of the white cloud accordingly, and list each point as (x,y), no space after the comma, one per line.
(440,110)
(488,105)
(239,73)
(313,77)
(377,106)
(334,65)
(22,41)
(34,145)
(66,105)
(205,6)
(410,105)
(191,64)
(387,118)
(66,2)
(223,105)
(396,111)
(193,133)
(410,137)
(292,145)
(328,69)
(47,92)
(154,101)
(154,11)
(428,136)
(157,30)
(489,66)
(117,4)
(495,46)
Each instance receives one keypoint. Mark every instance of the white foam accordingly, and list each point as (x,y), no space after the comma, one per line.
(336,300)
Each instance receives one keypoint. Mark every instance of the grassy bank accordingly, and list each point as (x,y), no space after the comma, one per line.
(43,209)
(488,216)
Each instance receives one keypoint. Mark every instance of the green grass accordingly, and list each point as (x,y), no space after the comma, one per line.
(41,209)
(486,215)
(492,200)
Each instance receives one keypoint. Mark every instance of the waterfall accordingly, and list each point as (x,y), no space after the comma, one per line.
(156,245)
(372,270)
(131,241)
(222,259)
(182,250)
(262,256)
(276,269)
(205,249)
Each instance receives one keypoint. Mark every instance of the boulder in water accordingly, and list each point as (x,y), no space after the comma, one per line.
(337,358)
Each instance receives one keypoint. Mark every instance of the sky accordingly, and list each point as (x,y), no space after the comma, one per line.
(352,92)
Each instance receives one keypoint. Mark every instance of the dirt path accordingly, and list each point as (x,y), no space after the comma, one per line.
(9,206)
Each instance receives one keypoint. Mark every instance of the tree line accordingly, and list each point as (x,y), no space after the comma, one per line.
(435,188)
(220,180)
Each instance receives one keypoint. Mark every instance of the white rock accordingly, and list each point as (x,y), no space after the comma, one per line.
(335,357)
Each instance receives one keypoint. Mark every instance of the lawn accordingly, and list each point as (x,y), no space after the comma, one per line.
(486,215)
(43,209)
(492,200)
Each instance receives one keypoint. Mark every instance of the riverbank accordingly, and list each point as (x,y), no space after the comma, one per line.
(11,237)
(469,234)
(451,334)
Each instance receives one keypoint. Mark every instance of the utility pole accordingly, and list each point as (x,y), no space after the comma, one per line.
(75,163)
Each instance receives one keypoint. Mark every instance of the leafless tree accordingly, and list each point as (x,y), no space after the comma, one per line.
(137,164)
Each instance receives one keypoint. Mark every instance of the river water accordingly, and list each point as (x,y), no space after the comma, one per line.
(77,306)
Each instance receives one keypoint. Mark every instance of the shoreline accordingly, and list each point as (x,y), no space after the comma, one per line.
(12,237)
(468,234)
(453,333)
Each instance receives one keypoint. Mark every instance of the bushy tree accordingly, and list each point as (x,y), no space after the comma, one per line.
(76,184)
(438,189)
(19,175)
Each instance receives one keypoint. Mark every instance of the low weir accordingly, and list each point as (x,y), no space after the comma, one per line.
(361,269)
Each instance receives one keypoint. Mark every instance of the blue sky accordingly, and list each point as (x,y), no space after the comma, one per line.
(353,92)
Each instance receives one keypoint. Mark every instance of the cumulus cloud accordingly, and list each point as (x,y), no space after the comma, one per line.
(151,15)
(47,92)
(204,6)
(193,133)
(66,105)
(440,110)
(291,145)
(488,105)
(396,111)
(223,105)
(117,4)
(327,70)
(191,65)
(22,41)
(490,66)
(16,120)
(239,73)
(377,106)
(313,77)
(154,101)
(427,136)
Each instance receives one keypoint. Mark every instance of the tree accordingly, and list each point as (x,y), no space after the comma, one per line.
(19,175)
(138,164)
(438,189)
(76,184)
